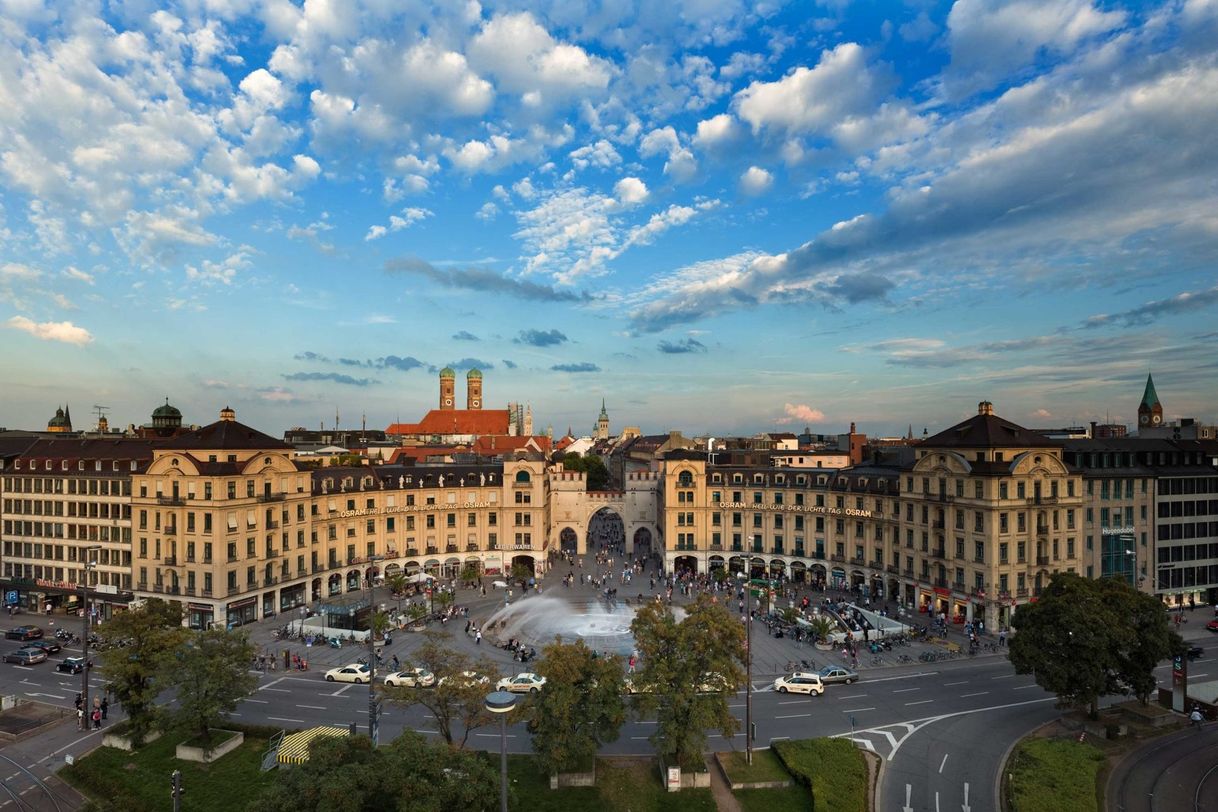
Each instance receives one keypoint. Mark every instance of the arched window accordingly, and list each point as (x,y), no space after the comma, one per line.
(685,479)
(522,476)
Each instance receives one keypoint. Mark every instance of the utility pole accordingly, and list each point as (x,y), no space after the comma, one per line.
(84,671)
(177,790)
(373,725)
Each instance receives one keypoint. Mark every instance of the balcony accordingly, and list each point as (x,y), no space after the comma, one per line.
(206,593)
(233,590)
(937,524)
(841,559)
(857,560)
(876,565)
(737,547)
(142,586)
(1042,560)
(271,524)
(433,550)
(943,497)
(271,497)
(799,551)
(893,568)
(450,548)
(170,561)
(471,548)
(939,552)
(171,530)
(171,501)
(958,586)
(190,590)
(1043,500)
(158,588)
(907,572)
(173,590)
(270,581)
(1042,529)
(941,583)
(1022,592)
(415,550)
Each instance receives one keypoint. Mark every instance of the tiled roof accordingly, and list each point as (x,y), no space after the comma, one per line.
(95,448)
(988,431)
(493,445)
(228,434)
(456,421)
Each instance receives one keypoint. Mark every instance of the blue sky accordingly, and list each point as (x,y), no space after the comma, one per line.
(719,216)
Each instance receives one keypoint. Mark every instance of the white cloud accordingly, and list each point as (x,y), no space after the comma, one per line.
(602,155)
(488,212)
(64,331)
(72,272)
(716,131)
(755,180)
(375,233)
(630,191)
(990,39)
(223,272)
(17,270)
(525,59)
(405,219)
(800,413)
(681,164)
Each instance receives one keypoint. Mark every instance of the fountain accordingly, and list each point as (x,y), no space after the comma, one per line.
(602,625)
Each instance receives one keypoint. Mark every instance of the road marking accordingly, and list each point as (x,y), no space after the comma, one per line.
(279,690)
(52,696)
(1025,687)
(1194,676)
(950,684)
(979,693)
(919,702)
(857,710)
(906,676)
(342,690)
(793,716)
(906,690)
(495,735)
(283,719)
(852,696)
(259,701)
(1005,676)
(942,763)
(319,707)
(779,738)
(794,702)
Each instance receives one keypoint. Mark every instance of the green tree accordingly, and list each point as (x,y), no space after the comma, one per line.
(209,674)
(579,709)
(456,699)
(153,633)
(1081,639)
(470,573)
(596,475)
(347,773)
(521,572)
(680,660)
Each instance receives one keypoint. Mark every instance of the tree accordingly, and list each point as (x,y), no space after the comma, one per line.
(153,632)
(455,699)
(347,773)
(470,573)
(521,572)
(397,587)
(705,650)
(1083,639)
(209,673)
(579,709)
(596,475)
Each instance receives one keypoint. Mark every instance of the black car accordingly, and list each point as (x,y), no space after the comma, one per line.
(24,633)
(71,665)
(1194,652)
(49,646)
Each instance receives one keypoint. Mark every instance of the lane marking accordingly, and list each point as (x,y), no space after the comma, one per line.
(1005,676)
(950,684)
(1025,687)
(979,693)
(857,710)
(919,702)
(852,696)
(259,701)
(906,690)
(942,763)
(793,716)
(284,719)
(319,707)
(495,735)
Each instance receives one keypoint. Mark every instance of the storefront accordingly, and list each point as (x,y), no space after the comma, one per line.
(199,616)
(243,611)
(43,597)
(291,596)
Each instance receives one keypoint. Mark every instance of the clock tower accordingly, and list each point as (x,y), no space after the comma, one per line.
(448,383)
(1150,411)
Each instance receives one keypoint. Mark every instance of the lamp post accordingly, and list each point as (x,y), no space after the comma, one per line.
(501,703)
(748,669)
(84,672)
(373,730)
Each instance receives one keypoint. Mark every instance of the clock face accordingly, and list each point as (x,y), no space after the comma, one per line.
(476,403)
(448,401)
(1143,419)
(1156,419)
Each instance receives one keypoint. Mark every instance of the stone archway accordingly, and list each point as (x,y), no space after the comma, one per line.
(568,541)
(641,543)
(685,563)
(606,528)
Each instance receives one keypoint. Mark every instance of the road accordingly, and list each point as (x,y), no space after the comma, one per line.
(1176,773)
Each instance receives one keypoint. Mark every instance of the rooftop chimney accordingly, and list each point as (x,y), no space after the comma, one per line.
(985,407)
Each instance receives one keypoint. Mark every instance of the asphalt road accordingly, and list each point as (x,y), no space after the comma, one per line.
(1176,773)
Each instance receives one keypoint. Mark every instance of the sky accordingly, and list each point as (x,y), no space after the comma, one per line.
(718,216)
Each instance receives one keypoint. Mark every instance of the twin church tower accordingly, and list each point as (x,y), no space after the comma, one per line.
(448,387)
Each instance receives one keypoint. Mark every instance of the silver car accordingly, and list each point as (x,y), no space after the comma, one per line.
(837,673)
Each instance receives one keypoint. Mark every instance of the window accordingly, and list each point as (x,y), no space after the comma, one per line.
(1002,490)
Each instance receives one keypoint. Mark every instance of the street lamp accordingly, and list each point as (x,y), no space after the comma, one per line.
(748,669)
(372,722)
(502,702)
(84,671)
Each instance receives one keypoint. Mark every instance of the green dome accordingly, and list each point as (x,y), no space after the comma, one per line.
(474,373)
(166,410)
(447,372)
(58,420)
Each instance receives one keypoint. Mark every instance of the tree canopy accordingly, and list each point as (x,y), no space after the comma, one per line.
(680,661)
(152,633)
(346,774)
(579,709)
(210,673)
(455,701)
(593,467)
(1083,639)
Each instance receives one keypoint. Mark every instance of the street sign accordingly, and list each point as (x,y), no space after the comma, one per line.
(11,598)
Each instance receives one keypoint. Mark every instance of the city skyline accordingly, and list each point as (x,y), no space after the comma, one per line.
(717,216)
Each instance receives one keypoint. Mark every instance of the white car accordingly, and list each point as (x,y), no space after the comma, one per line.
(713,683)
(356,672)
(801,682)
(467,679)
(499,584)
(411,678)
(521,684)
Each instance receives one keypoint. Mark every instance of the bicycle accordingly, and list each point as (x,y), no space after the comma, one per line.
(877,660)
(904,658)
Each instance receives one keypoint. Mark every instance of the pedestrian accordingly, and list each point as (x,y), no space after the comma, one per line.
(97,719)
(478,638)
(1002,637)
(80,701)
(105,707)
(80,717)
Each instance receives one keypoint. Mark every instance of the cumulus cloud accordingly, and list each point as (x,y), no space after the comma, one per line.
(525,59)
(800,413)
(63,331)
(541,338)
(1185,302)
(630,191)
(397,222)
(755,180)
(601,155)
(332,377)
(484,281)
(509,364)
(471,363)
(583,366)
(464,335)
(680,163)
(716,131)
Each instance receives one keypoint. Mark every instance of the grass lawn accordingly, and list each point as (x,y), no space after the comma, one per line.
(788,799)
(139,781)
(620,785)
(1054,774)
(833,769)
(765,767)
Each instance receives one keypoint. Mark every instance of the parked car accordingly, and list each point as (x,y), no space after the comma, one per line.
(26,656)
(524,683)
(1194,652)
(356,672)
(467,679)
(801,682)
(836,673)
(1212,625)
(23,633)
(71,665)
(49,646)
(411,678)
(713,683)
(631,687)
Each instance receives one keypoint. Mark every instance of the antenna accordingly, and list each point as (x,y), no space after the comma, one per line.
(101,411)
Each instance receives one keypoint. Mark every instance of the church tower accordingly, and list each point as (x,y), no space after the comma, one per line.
(473,389)
(602,423)
(448,386)
(1150,411)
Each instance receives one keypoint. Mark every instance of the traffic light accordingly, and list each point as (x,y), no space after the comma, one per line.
(176,790)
